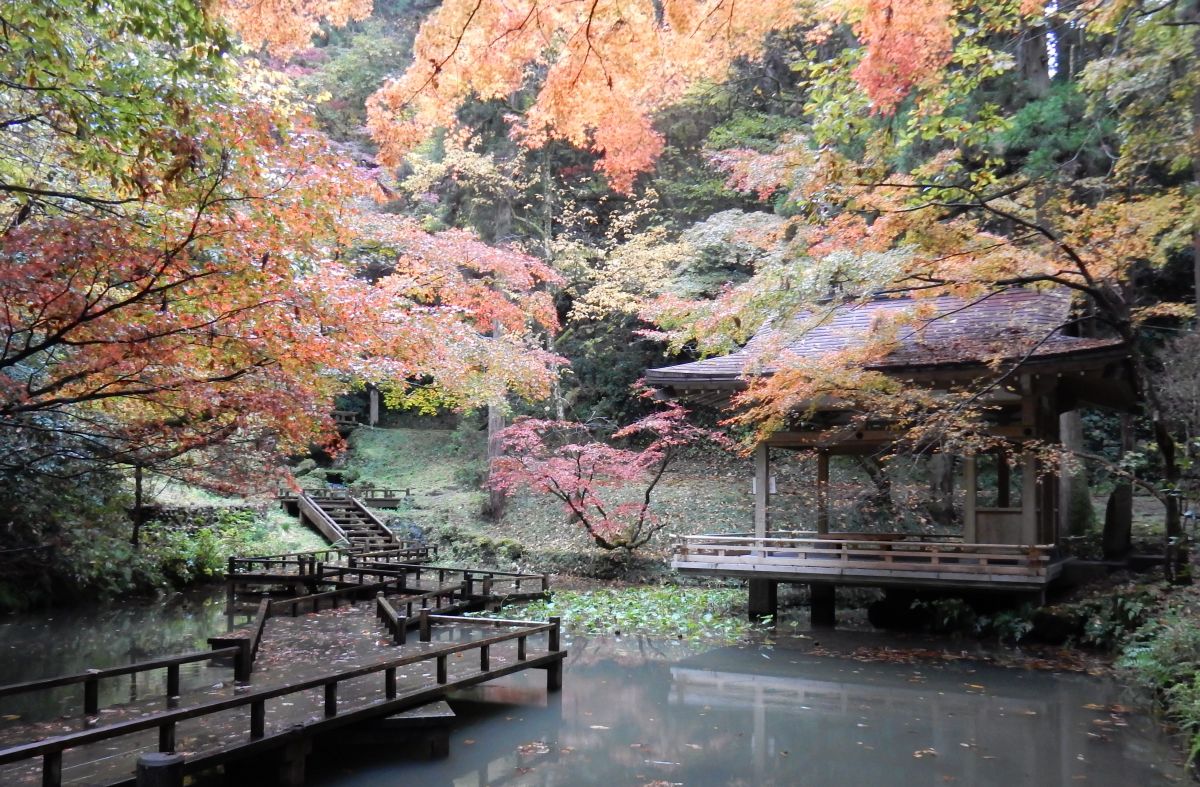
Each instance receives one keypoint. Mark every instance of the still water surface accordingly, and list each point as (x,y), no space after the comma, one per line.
(638,712)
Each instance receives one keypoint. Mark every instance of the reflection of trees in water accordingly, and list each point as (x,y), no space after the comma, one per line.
(870,493)
(56,642)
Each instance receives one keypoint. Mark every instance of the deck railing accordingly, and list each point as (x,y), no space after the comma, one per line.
(50,750)
(861,552)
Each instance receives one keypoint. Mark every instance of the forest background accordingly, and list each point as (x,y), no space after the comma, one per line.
(217,218)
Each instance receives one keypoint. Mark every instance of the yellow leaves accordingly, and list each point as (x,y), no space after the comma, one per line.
(1172,310)
(1116,232)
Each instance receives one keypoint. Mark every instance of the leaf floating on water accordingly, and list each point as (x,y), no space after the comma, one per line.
(597,727)
(533,747)
(695,746)
(920,753)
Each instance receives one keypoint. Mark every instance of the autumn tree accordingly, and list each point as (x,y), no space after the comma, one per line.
(605,488)
(190,266)
(935,155)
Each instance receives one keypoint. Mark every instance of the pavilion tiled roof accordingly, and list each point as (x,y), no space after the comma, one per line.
(1012,324)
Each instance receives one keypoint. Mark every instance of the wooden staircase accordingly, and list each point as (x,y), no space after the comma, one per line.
(345,518)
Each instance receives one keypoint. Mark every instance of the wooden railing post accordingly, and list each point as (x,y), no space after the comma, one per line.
(553,637)
(172,681)
(484,658)
(243,662)
(521,646)
(426,634)
(331,699)
(52,769)
(441,669)
(166,736)
(91,696)
(258,719)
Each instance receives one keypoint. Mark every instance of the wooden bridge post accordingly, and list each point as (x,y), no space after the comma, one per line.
(52,769)
(426,634)
(554,669)
(243,661)
(160,770)
(91,696)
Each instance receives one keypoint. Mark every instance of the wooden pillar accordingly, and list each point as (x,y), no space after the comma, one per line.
(764,598)
(970,530)
(1029,499)
(822,491)
(1003,479)
(373,414)
(823,601)
(762,489)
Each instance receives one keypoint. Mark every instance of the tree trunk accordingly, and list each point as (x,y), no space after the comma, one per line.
(941,489)
(496,498)
(1074,496)
(495,424)
(1193,17)
(1118,514)
(1033,62)
(135,539)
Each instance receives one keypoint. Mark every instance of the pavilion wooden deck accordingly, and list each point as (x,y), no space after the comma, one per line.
(303,666)
(883,560)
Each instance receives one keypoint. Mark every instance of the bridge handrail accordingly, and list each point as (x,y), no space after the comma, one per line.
(323,521)
(51,749)
(291,556)
(112,672)
(91,678)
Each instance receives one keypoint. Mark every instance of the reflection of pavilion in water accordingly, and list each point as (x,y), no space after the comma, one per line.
(909,724)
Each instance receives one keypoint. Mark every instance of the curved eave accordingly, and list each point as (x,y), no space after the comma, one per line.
(720,378)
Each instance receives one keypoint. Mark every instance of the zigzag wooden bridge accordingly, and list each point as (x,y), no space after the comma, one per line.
(339,654)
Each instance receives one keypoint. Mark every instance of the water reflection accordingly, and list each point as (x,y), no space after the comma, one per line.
(60,641)
(638,712)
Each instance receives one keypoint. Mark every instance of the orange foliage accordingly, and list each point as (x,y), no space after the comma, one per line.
(226,309)
(906,42)
(286,26)
(607,68)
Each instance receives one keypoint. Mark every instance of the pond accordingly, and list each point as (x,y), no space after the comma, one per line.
(635,711)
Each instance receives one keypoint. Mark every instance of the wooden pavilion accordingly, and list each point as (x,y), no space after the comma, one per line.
(1009,346)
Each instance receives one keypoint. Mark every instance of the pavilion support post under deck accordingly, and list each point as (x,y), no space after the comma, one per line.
(764,598)
(822,600)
